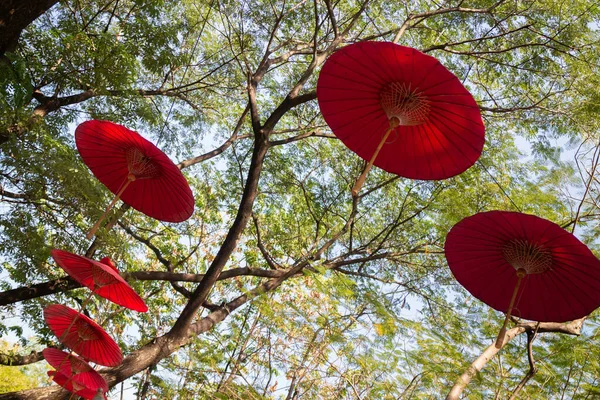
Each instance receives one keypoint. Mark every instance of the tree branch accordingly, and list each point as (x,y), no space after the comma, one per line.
(16,359)
(230,243)
(571,328)
(532,368)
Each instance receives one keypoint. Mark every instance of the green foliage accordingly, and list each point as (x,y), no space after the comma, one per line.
(377,313)
(15,378)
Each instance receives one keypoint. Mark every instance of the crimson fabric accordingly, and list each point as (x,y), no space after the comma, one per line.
(568,290)
(75,367)
(82,335)
(73,384)
(109,262)
(101,278)
(106,147)
(349,89)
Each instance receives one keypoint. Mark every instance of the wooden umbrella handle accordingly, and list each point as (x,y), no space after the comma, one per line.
(94,229)
(394,122)
(500,339)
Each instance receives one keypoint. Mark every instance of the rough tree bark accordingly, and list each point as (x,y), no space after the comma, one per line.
(15,15)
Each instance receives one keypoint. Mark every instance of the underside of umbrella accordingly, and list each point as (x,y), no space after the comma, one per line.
(118,156)
(366,88)
(103,279)
(82,335)
(487,251)
(75,367)
(74,385)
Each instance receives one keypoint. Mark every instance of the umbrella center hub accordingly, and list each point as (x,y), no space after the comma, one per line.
(77,386)
(531,257)
(398,100)
(140,165)
(86,332)
(77,366)
(102,278)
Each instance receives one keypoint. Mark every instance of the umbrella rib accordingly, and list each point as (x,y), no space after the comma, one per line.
(344,66)
(374,117)
(548,277)
(424,141)
(437,118)
(465,129)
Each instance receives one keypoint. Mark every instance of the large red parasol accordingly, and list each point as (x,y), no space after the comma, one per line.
(135,170)
(524,265)
(371,90)
(82,335)
(72,366)
(74,385)
(102,278)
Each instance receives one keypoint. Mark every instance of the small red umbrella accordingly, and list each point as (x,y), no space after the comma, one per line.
(82,335)
(135,170)
(368,90)
(102,278)
(72,366)
(525,266)
(74,385)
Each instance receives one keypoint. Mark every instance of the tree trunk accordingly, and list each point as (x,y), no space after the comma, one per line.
(15,15)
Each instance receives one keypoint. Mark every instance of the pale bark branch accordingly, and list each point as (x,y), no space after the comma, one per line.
(571,328)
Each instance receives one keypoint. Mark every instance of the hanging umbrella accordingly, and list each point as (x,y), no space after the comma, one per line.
(524,265)
(102,278)
(73,385)
(82,335)
(74,367)
(135,170)
(108,261)
(369,90)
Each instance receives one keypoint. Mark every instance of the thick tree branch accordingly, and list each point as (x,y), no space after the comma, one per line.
(15,359)
(37,290)
(230,243)
(66,283)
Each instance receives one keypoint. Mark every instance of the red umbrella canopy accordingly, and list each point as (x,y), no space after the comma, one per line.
(73,385)
(561,276)
(118,156)
(108,261)
(75,367)
(365,87)
(82,335)
(101,278)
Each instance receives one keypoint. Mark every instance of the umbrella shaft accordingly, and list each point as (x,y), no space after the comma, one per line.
(93,230)
(361,179)
(502,333)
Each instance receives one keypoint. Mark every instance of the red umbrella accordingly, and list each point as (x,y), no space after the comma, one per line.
(524,265)
(101,278)
(74,385)
(368,90)
(135,170)
(82,335)
(72,366)
(108,261)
